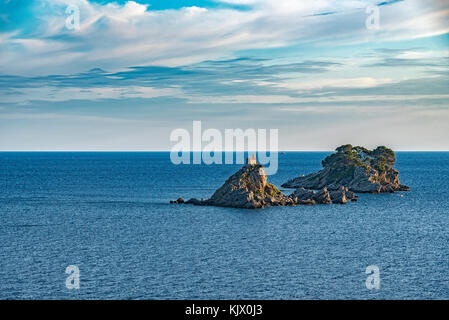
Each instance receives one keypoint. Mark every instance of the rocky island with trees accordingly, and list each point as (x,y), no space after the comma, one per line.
(357,169)
(348,171)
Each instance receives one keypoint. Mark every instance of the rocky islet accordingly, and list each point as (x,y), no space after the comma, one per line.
(349,170)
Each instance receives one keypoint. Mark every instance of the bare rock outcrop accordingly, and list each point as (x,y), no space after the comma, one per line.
(323,196)
(247,188)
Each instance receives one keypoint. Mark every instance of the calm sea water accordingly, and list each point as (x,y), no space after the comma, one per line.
(108,214)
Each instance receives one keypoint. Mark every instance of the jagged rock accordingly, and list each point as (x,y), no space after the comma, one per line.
(308,202)
(323,197)
(350,195)
(179,201)
(357,168)
(304,196)
(339,196)
(247,188)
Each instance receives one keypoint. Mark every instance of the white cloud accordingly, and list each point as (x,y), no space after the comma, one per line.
(115,36)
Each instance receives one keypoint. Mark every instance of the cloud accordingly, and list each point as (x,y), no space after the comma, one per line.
(131,73)
(237,81)
(114,36)
(413,57)
(146,82)
(26,95)
(332,83)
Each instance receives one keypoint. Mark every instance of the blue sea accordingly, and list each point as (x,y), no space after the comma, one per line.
(109,215)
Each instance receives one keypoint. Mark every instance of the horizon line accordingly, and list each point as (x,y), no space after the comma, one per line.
(279,151)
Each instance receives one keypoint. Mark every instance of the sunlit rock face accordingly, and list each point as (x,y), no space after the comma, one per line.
(247,188)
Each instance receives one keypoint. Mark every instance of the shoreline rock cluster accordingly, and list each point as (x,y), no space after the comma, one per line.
(349,170)
(323,196)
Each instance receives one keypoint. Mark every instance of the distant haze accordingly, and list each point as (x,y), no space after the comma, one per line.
(322,72)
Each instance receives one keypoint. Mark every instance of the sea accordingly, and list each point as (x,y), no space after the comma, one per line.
(99,225)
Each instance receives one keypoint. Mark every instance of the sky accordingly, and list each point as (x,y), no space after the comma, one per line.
(322,72)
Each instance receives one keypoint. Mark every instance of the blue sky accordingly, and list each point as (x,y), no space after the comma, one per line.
(135,71)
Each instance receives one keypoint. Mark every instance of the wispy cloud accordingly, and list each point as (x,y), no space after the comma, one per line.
(114,36)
